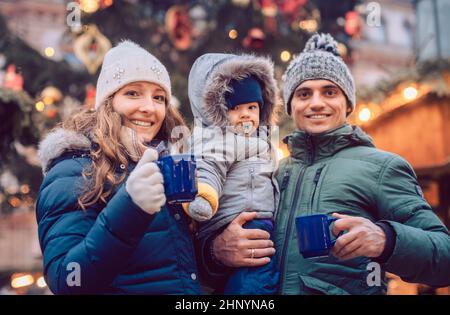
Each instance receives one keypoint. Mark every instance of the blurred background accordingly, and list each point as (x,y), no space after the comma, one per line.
(51,52)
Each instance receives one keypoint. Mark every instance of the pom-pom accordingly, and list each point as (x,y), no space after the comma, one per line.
(323,42)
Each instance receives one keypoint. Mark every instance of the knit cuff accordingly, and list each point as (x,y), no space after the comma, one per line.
(390,242)
(209,194)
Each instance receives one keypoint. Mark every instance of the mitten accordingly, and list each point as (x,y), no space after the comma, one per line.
(145,184)
(200,209)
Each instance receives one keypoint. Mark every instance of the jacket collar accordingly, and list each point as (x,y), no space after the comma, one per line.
(309,148)
(59,142)
(210,78)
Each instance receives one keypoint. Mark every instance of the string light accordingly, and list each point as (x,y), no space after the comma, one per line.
(285,56)
(49,52)
(14,202)
(309,26)
(365,114)
(410,93)
(48,100)
(25,189)
(280,154)
(40,106)
(19,280)
(233,34)
(89,6)
(342,49)
(41,282)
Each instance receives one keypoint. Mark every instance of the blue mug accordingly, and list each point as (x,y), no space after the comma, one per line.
(314,236)
(179,173)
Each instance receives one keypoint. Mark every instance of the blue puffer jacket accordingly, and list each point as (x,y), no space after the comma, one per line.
(115,249)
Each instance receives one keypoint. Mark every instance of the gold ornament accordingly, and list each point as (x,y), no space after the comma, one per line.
(91,48)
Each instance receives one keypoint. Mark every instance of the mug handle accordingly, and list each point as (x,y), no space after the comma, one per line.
(331,220)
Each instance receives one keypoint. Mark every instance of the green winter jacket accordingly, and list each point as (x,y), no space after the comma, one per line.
(341,171)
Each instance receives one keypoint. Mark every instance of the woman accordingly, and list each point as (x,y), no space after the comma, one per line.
(104,227)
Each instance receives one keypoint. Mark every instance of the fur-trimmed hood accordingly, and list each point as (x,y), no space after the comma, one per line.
(58,142)
(210,78)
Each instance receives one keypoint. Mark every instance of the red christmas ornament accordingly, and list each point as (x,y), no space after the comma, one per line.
(352,23)
(269,9)
(90,96)
(12,79)
(51,113)
(291,8)
(179,28)
(255,39)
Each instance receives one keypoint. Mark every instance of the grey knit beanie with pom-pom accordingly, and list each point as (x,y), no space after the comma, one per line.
(319,60)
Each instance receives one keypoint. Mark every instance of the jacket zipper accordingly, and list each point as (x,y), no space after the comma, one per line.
(289,226)
(292,212)
(285,180)
(252,186)
(311,150)
(315,181)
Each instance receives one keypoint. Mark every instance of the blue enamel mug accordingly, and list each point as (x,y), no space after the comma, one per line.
(179,173)
(314,235)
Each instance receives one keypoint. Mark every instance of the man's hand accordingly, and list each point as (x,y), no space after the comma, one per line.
(234,246)
(364,238)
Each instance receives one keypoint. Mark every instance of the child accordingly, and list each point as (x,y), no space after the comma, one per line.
(231,96)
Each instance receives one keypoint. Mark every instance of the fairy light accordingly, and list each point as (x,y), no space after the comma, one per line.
(49,52)
(342,49)
(40,106)
(89,6)
(285,56)
(309,26)
(365,114)
(280,154)
(41,282)
(233,34)
(410,93)
(48,100)
(25,189)
(14,202)
(20,281)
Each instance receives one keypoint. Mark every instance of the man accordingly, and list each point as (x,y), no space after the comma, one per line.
(335,169)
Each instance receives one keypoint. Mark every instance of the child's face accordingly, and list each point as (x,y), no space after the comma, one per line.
(143,108)
(244,117)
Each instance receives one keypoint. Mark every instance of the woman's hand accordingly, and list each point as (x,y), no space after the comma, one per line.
(145,184)
(240,247)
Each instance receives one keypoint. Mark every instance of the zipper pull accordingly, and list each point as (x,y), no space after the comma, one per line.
(285,180)
(317,176)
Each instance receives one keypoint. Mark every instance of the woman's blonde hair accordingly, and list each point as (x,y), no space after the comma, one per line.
(107,152)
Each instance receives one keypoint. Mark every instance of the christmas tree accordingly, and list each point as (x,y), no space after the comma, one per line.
(176,32)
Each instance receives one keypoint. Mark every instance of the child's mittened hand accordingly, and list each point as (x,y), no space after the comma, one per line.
(200,209)
(145,184)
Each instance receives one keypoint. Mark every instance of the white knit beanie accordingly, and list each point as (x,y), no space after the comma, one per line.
(126,63)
